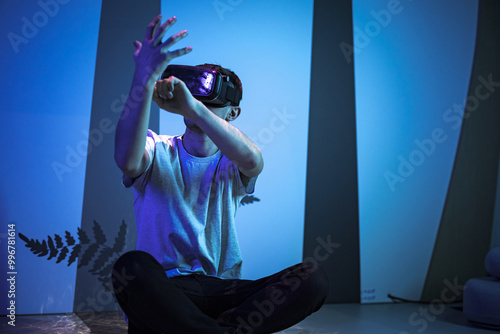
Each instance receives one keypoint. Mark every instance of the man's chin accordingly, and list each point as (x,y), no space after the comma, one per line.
(192,125)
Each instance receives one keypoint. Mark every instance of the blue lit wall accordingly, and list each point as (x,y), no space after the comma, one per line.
(412,68)
(47,65)
(268,44)
(48,75)
(413,64)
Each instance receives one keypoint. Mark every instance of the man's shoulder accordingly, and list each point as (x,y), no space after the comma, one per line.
(165,139)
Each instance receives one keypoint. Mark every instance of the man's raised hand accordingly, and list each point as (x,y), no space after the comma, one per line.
(172,94)
(152,55)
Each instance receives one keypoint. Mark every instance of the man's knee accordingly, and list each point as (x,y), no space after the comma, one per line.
(132,257)
(315,284)
(320,284)
(126,268)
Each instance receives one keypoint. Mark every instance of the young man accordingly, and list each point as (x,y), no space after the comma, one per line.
(184,276)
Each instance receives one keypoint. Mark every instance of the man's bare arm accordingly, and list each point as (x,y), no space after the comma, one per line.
(171,94)
(233,143)
(151,58)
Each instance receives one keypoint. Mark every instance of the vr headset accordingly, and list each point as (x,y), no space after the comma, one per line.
(206,85)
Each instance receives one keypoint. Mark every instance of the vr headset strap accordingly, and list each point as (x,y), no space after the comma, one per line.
(233,95)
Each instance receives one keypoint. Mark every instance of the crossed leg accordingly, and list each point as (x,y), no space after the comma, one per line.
(196,304)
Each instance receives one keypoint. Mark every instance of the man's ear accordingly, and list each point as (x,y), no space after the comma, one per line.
(233,114)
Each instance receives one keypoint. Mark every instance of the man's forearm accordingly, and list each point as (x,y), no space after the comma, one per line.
(132,127)
(235,145)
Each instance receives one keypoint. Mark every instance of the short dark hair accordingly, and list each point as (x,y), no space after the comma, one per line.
(233,78)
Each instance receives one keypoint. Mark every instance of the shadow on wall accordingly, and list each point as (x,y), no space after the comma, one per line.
(95,253)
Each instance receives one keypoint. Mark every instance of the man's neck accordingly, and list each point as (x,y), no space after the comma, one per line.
(198,144)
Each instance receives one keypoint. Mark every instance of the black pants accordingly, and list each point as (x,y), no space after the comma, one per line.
(195,304)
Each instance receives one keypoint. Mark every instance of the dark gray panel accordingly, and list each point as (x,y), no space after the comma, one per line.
(495,232)
(331,234)
(465,231)
(105,200)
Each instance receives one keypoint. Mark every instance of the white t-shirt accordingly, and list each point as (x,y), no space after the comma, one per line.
(185,209)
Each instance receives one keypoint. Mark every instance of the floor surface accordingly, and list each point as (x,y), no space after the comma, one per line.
(331,319)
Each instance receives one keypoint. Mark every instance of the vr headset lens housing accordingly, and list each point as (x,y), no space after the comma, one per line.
(207,86)
(199,83)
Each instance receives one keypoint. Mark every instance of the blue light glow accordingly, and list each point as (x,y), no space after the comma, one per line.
(412,69)
(268,45)
(47,67)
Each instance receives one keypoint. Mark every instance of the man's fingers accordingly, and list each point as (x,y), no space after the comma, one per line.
(160,32)
(180,52)
(159,99)
(150,31)
(138,46)
(155,95)
(173,39)
(164,88)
